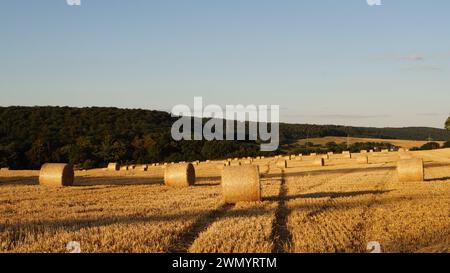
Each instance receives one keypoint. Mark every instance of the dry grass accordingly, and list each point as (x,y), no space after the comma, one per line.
(336,208)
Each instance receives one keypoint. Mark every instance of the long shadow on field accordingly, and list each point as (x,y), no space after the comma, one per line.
(210,184)
(116,180)
(19,180)
(208,179)
(437,164)
(23,228)
(281,236)
(339,171)
(438,179)
(330,194)
(188,236)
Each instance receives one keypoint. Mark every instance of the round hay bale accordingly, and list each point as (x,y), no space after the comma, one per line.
(410,170)
(4,169)
(313,154)
(319,162)
(143,168)
(248,162)
(179,175)
(56,174)
(281,164)
(113,167)
(330,153)
(363,160)
(241,184)
(235,163)
(124,168)
(346,154)
(222,165)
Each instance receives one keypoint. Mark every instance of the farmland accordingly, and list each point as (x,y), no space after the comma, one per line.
(340,207)
(397,142)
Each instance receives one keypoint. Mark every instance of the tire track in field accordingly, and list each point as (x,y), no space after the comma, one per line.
(339,232)
(356,234)
(192,232)
(281,235)
(359,232)
(334,231)
(330,202)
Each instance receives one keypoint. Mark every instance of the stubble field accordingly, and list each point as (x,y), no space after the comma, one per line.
(337,208)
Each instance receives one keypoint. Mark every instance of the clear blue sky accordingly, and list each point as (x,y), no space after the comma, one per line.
(322,61)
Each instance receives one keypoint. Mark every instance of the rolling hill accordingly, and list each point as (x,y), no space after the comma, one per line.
(92,137)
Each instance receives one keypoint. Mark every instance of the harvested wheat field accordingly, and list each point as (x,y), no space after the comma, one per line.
(339,207)
(398,142)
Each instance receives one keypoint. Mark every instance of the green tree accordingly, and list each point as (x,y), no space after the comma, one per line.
(332,146)
(112,150)
(430,146)
(39,153)
(447,124)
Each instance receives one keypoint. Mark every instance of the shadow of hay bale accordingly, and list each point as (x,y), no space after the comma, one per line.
(19,180)
(115,180)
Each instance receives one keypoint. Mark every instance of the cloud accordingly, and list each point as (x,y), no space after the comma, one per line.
(396,57)
(339,116)
(414,58)
(431,68)
(430,114)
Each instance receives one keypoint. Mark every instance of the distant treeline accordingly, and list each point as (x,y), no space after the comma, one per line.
(293,132)
(92,137)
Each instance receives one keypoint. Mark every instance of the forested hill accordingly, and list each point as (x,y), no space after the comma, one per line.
(91,137)
(296,131)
